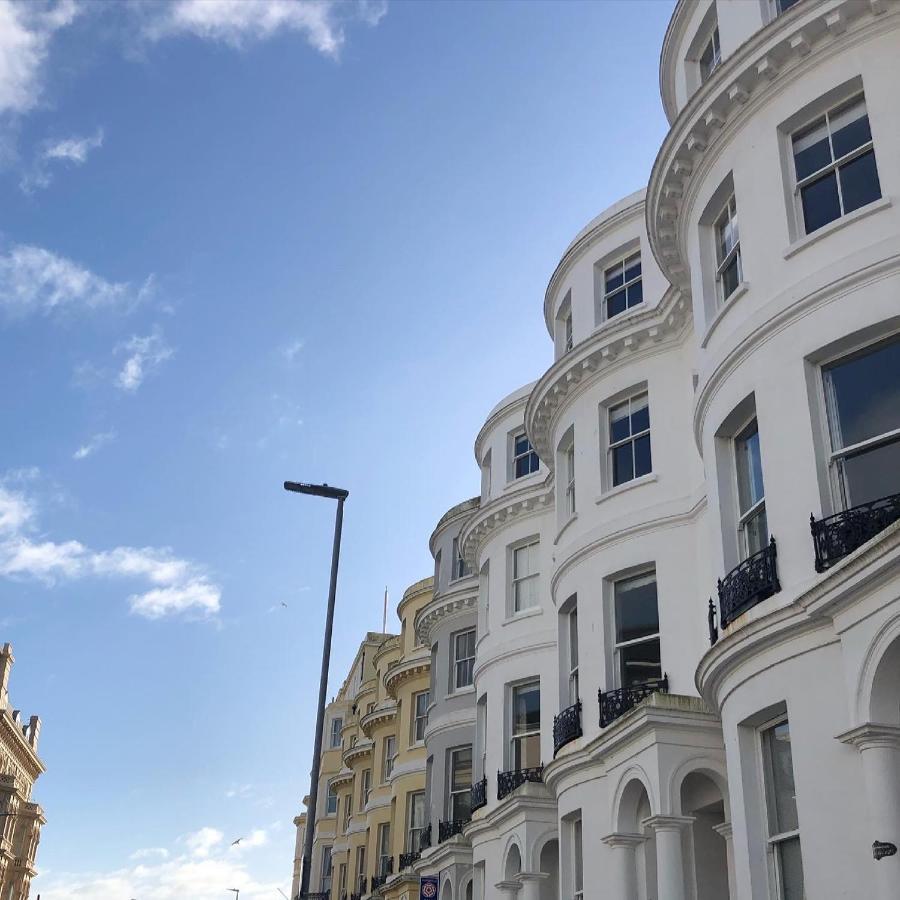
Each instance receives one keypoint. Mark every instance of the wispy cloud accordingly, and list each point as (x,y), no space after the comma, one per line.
(199,869)
(238,22)
(25,33)
(35,280)
(72,151)
(145,355)
(101,439)
(174,585)
(291,350)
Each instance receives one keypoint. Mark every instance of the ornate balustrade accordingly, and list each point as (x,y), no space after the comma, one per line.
(614,704)
(425,838)
(748,583)
(507,782)
(834,537)
(407,859)
(387,869)
(446,830)
(479,794)
(566,726)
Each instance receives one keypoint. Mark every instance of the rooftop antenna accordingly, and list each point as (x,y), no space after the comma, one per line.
(384,617)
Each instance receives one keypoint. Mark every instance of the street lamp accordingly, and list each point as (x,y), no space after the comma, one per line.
(339,494)
(235,891)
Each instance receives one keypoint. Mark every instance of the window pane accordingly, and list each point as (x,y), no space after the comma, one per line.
(635,608)
(850,127)
(633,267)
(640,414)
(790,869)
(820,202)
(749,468)
(522,444)
(579,859)
(866,394)
(573,640)
(461,776)
(635,293)
(811,150)
(640,663)
(756,529)
(527,752)
(619,422)
(526,708)
(642,462)
(614,278)
(859,182)
(623,464)
(615,305)
(872,475)
(731,277)
(782,800)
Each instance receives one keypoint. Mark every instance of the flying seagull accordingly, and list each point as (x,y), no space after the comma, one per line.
(235,843)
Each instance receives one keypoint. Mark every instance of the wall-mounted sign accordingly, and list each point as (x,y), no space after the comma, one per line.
(881,849)
(428,887)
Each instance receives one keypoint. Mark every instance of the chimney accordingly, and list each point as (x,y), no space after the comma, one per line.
(33,732)
(6,663)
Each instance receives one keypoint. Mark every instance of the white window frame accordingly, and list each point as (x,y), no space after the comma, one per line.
(773,840)
(569,341)
(327,870)
(632,438)
(757,508)
(331,792)
(342,879)
(577,856)
(715,58)
(384,847)
(646,639)
(337,726)
(387,762)
(515,457)
(840,491)
(413,831)
(727,215)
(516,580)
(418,720)
(516,738)
(572,652)
(776,10)
(621,262)
(466,789)
(460,568)
(361,869)
(833,166)
(365,788)
(468,662)
(348,809)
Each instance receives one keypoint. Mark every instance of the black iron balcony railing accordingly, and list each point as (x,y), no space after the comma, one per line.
(566,726)
(316,895)
(479,794)
(425,837)
(387,869)
(749,583)
(614,704)
(407,859)
(378,881)
(834,537)
(446,830)
(362,888)
(507,782)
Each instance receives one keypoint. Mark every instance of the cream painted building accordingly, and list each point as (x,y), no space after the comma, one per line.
(20,818)
(665,637)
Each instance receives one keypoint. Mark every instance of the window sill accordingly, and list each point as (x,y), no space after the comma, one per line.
(836,225)
(724,306)
(564,527)
(649,478)
(620,316)
(461,692)
(525,614)
(522,479)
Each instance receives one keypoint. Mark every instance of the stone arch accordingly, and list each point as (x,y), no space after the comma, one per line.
(512,860)
(713,769)
(701,799)
(538,847)
(632,787)
(878,690)
(447,890)
(548,865)
(466,888)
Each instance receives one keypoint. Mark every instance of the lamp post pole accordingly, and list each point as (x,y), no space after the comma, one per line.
(320,490)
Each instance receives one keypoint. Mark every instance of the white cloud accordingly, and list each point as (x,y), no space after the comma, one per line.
(150,853)
(25,32)
(235,22)
(33,279)
(201,842)
(71,151)
(257,838)
(290,351)
(176,586)
(94,444)
(145,355)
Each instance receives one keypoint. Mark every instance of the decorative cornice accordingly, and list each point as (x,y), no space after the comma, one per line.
(379,716)
(392,643)
(530,799)
(614,217)
(625,338)
(518,504)
(462,597)
(872,736)
(413,592)
(778,52)
(404,670)
(501,411)
(14,740)
(460,511)
(358,751)
(345,776)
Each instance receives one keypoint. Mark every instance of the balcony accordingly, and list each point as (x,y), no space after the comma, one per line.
(425,838)
(834,537)
(749,583)
(507,782)
(387,869)
(447,830)
(566,727)
(479,794)
(407,859)
(614,704)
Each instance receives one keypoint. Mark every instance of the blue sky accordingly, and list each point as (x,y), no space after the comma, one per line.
(243,242)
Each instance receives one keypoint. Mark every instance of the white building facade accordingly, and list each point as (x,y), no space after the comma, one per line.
(683,568)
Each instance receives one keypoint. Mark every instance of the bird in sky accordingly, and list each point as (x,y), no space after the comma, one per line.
(284,604)
(235,843)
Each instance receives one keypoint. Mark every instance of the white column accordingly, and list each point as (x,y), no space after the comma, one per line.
(531,884)
(669,856)
(726,832)
(879,748)
(622,871)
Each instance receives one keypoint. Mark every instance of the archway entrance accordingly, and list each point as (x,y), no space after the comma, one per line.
(706,850)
